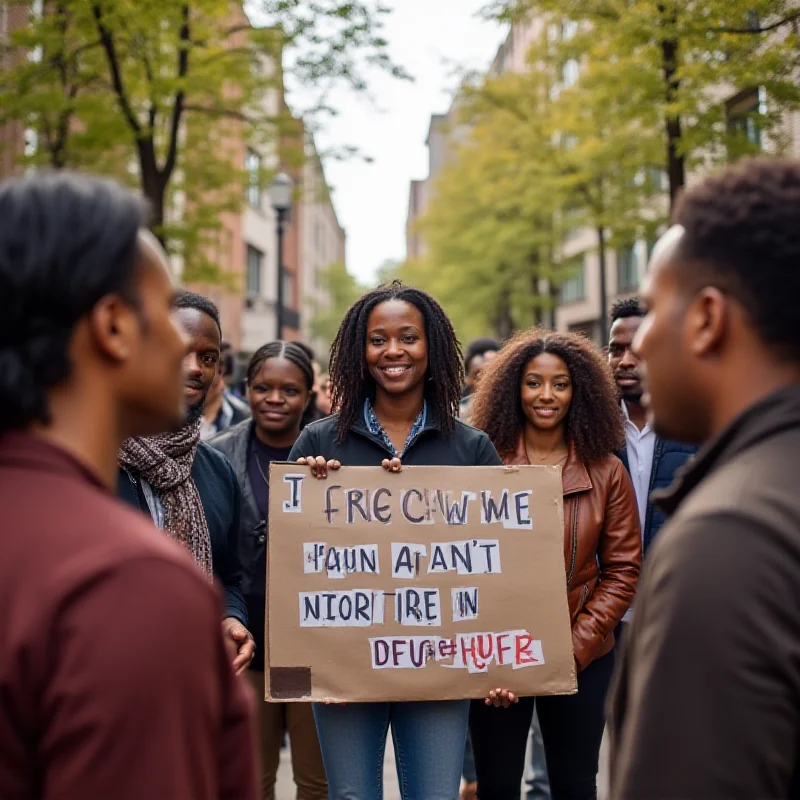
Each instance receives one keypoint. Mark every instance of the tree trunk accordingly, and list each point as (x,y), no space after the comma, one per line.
(504,324)
(555,296)
(154,180)
(676,161)
(601,249)
(153,186)
(58,149)
(536,299)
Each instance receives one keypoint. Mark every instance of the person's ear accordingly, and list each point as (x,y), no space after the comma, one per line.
(708,321)
(114,328)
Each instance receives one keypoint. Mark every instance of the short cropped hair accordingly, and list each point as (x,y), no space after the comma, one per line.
(66,241)
(742,234)
(624,309)
(187,299)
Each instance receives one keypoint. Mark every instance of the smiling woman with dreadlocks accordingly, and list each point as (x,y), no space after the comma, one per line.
(396,372)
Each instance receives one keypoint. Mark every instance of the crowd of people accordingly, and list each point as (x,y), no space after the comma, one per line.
(121,676)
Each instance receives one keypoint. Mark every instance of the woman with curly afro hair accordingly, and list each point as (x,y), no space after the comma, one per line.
(396,373)
(550,399)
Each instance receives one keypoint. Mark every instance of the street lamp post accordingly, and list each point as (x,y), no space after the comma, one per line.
(280,193)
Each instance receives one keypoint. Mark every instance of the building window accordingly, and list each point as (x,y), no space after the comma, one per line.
(573,222)
(31,142)
(627,269)
(651,245)
(744,125)
(591,330)
(319,238)
(570,72)
(652,242)
(570,142)
(252,165)
(574,289)
(656,178)
(288,289)
(255,263)
(569,29)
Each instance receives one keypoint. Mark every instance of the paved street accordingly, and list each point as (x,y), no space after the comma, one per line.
(285,789)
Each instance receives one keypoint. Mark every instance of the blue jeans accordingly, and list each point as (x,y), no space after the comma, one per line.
(428,744)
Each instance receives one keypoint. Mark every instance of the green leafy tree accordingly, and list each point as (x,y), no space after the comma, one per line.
(162,92)
(541,161)
(609,160)
(490,225)
(342,291)
(685,53)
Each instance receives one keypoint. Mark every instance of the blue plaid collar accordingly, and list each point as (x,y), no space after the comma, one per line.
(376,429)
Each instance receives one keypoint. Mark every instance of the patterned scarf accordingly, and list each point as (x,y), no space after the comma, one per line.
(165,462)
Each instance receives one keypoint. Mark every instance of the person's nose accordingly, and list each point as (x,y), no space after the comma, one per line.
(275,397)
(546,394)
(394,348)
(191,365)
(629,360)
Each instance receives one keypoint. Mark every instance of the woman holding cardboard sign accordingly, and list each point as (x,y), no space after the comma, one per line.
(550,399)
(396,373)
(280,378)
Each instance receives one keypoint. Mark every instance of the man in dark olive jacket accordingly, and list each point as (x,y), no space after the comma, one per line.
(707,704)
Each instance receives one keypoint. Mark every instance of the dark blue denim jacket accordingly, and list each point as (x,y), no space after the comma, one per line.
(668,458)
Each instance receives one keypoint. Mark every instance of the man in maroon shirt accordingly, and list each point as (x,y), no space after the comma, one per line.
(114,679)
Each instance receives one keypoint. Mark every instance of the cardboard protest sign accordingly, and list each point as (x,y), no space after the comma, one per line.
(431,584)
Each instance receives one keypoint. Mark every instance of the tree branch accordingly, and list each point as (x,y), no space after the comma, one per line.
(73,56)
(793,17)
(152,111)
(227,53)
(179,104)
(109,46)
(229,113)
(226,33)
(498,104)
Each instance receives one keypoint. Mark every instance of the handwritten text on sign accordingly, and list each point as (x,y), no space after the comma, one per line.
(434,575)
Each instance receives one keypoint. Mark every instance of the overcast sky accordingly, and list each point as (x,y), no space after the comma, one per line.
(432,39)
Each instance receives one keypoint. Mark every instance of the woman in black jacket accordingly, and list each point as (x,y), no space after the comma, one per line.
(280,379)
(396,372)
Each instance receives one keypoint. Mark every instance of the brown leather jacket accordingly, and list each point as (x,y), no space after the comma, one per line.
(602,549)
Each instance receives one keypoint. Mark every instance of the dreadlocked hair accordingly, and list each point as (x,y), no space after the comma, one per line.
(594,422)
(291,351)
(349,373)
